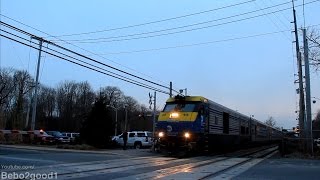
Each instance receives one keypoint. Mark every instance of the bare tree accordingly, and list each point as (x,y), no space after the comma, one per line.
(270,122)
(131,106)
(22,79)
(65,107)
(7,87)
(112,95)
(46,105)
(74,101)
(66,98)
(84,99)
(316,125)
(145,120)
(314,47)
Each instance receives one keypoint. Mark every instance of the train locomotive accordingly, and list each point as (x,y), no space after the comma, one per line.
(197,123)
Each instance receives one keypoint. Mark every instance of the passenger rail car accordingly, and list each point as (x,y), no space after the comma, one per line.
(193,122)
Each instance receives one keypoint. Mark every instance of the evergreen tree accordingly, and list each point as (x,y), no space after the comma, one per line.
(98,126)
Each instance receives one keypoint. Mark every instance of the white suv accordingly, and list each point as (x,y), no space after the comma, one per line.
(137,139)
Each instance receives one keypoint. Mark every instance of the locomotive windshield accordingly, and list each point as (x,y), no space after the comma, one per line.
(182,107)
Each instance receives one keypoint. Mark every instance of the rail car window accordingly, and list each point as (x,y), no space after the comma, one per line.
(216,120)
(243,130)
(225,123)
(180,107)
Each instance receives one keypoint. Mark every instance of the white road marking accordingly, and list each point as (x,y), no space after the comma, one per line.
(162,173)
(242,168)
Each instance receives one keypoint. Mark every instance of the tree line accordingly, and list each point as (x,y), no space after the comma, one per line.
(65,107)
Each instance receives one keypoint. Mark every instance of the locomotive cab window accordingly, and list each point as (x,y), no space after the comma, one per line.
(188,107)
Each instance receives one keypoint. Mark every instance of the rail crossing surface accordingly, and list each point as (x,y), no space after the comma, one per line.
(143,164)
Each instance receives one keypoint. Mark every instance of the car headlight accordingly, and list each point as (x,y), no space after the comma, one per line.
(161,134)
(187,135)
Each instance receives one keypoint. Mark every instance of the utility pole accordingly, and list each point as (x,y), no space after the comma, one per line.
(170,93)
(29,106)
(116,124)
(301,92)
(308,122)
(35,97)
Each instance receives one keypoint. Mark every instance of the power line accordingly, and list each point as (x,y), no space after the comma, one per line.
(199,44)
(57,51)
(273,22)
(195,44)
(107,65)
(83,56)
(281,21)
(179,27)
(60,57)
(72,45)
(121,77)
(188,30)
(158,21)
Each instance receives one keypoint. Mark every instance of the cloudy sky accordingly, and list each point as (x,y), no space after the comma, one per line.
(238,53)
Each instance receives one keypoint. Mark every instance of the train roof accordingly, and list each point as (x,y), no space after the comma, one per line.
(188,98)
(200,99)
(206,100)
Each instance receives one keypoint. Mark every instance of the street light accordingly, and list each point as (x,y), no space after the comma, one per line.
(116,126)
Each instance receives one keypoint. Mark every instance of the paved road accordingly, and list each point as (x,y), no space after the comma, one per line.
(143,164)
(282,168)
(41,156)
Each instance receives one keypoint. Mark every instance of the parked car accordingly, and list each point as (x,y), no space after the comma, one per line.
(136,139)
(59,138)
(42,137)
(74,137)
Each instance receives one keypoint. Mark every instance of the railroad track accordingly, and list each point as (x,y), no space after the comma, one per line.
(212,168)
(201,167)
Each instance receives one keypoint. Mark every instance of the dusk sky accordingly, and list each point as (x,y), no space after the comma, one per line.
(235,55)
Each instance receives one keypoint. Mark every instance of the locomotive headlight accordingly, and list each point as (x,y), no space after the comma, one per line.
(174,115)
(187,135)
(161,134)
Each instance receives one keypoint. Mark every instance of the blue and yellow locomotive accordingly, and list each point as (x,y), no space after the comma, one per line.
(194,122)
